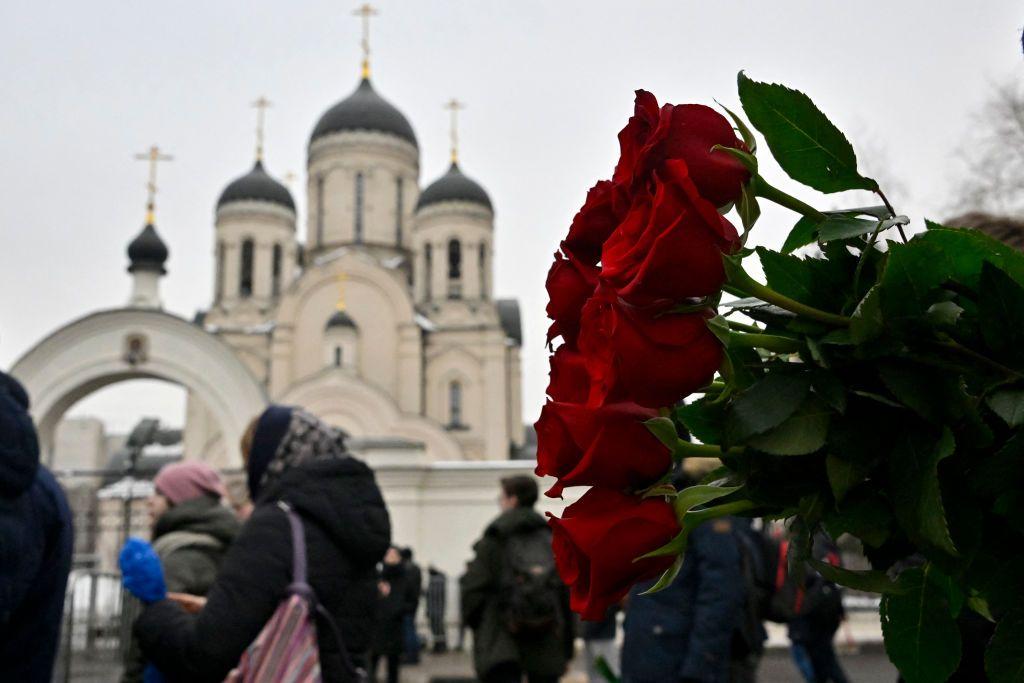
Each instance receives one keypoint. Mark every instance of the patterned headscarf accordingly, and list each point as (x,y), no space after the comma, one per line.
(305,438)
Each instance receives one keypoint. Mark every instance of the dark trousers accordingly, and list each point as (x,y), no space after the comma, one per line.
(816,659)
(510,672)
(394,663)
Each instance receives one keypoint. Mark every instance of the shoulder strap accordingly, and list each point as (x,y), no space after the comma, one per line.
(176,540)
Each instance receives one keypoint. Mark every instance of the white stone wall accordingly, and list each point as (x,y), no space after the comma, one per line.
(267,225)
(80,444)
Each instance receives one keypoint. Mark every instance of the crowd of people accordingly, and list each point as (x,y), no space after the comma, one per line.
(305,579)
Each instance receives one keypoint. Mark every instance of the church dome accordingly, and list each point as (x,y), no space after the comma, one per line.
(257,185)
(454,186)
(340,319)
(364,109)
(147,251)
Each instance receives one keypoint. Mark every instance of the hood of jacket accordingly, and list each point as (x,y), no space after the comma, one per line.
(516,521)
(340,494)
(202,515)
(19,447)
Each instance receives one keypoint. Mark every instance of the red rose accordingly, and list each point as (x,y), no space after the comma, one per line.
(606,446)
(655,360)
(686,132)
(570,382)
(605,205)
(670,244)
(597,540)
(570,282)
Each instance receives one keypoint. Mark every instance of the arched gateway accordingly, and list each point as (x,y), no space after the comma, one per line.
(134,343)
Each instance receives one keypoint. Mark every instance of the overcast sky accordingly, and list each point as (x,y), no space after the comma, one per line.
(86,85)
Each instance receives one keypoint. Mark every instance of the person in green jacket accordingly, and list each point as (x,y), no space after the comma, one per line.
(192,529)
(512,597)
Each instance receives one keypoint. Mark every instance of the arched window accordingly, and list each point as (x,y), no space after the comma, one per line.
(220,270)
(245,278)
(399,210)
(428,270)
(454,269)
(337,356)
(360,182)
(455,404)
(483,270)
(319,210)
(276,271)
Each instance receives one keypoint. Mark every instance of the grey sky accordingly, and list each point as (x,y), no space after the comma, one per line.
(548,84)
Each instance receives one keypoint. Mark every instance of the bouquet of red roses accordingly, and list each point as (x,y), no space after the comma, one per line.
(874,387)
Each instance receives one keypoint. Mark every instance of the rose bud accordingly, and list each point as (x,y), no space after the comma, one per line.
(669,246)
(686,132)
(652,359)
(570,382)
(607,446)
(570,283)
(606,203)
(597,540)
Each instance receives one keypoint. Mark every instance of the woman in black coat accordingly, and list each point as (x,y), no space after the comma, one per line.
(290,456)
(392,606)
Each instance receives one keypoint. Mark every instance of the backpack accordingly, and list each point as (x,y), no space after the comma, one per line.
(532,592)
(818,599)
(756,554)
(287,648)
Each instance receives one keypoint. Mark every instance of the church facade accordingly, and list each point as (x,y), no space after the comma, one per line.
(382,320)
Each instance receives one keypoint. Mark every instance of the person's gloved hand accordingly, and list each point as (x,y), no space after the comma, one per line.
(141,572)
(151,674)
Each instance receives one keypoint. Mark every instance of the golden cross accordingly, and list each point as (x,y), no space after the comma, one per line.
(453,105)
(289,178)
(341,291)
(261,105)
(366,10)
(153,156)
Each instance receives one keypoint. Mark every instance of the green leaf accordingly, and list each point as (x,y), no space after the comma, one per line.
(748,208)
(1004,657)
(1000,472)
(704,419)
(867,323)
(801,434)
(830,388)
(843,475)
(870,580)
(944,313)
(748,136)
(768,403)
(1001,307)
(813,281)
(802,234)
(667,577)
(719,326)
(844,227)
(664,430)
(1009,405)
(604,670)
(864,514)
(921,637)
(808,147)
(914,487)
(693,496)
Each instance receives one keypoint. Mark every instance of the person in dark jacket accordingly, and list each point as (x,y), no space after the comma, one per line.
(291,456)
(36,542)
(414,592)
(813,631)
(683,633)
(192,530)
(500,655)
(392,607)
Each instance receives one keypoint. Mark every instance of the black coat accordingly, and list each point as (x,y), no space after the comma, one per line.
(36,542)
(388,638)
(347,532)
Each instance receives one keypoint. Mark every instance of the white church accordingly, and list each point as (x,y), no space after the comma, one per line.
(377,314)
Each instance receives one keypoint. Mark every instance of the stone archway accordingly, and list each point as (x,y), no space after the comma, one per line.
(117,345)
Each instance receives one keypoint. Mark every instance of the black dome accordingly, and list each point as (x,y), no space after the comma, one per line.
(257,185)
(454,186)
(340,319)
(147,251)
(364,109)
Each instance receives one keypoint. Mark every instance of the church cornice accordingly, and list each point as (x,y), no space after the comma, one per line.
(362,142)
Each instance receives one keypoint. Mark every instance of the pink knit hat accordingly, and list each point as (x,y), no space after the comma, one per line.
(181,481)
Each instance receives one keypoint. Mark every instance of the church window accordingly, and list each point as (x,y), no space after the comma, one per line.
(245,280)
(220,271)
(337,356)
(360,183)
(483,270)
(276,270)
(399,210)
(455,404)
(454,269)
(319,210)
(428,269)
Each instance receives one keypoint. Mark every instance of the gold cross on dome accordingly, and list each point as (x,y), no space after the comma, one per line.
(154,156)
(341,291)
(365,11)
(289,178)
(261,105)
(453,105)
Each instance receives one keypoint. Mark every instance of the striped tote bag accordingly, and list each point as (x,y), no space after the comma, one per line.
(286,650)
